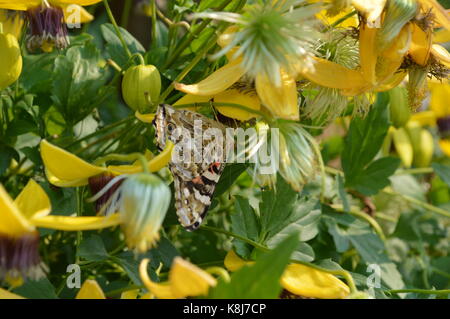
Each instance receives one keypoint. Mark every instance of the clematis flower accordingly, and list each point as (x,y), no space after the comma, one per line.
(300,280)
(260,47)
(48,18)
(19,238)
(185,280)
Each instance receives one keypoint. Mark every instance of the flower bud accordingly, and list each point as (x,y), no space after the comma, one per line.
(399,108)
(10,60)
(141,86)
(144,204)
(403,146)
(423,144)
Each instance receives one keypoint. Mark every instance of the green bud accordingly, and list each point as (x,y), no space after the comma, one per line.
(399,106)
(141,87)
(143,207)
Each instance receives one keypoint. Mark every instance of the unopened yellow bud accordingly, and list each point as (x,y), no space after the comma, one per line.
(141,87)
(10,60)
(399,108)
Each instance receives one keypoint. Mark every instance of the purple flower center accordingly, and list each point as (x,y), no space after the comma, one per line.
(443,124)
(47,28)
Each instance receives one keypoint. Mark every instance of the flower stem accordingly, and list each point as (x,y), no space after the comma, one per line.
(116,27)
(422,170)
(126,13)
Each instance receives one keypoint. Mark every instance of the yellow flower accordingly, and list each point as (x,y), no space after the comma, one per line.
(232,84)
(300,280)
(64,169)
(46,19)
(12,22)
(185,280)
(19,220)
(10,60)
(90,290)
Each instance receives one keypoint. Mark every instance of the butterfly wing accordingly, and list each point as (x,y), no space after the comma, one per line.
(194,182)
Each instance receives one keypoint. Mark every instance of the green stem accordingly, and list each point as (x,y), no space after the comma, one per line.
(345,274)
(339,21)
(115,292)
(126,13)
(154,26)
(423,170)
(188,39)
(116,27)
(125,158)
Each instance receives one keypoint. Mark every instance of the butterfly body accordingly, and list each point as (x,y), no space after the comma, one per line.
(195,177)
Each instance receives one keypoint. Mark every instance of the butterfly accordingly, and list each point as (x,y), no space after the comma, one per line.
(196,177)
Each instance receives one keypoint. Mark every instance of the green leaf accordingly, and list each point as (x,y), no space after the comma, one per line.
(260,280)
(77,81)
(303,219)
(342,193)
(376,176)
(244,222)
(7,154)
(443,171)
(276,206)
(114,45)
(92,249)
(364,139)
(229,175)
(37,289)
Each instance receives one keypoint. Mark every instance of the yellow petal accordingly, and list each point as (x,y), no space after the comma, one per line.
(62,183)
(440,97)
(78,2)
(425,118)
(235,96)
(74,14)
(309,282)
(391,82)
(280,101)
(130,294)
(160,291)
(441,36)
(441,54)
(157,163)
(90,290)
(347,23)
(371,9)
(368,52)
(391,59)
(192,99)
(12,24)
(217,82)
(66,166)
(5,294)
(187,280)
(146,118)
(69,223)
(21,5)
(12,222)
(333,75)
(420,45)
(33,201)
(233,262)
(445,146)
(440,14)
